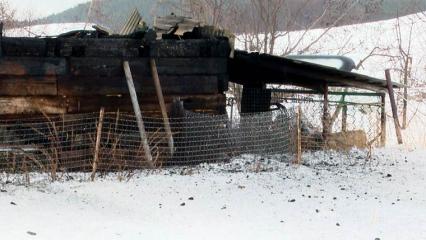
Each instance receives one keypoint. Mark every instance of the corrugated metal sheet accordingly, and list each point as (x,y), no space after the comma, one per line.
(132,23)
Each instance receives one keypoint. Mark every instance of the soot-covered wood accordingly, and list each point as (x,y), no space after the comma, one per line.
(68,75)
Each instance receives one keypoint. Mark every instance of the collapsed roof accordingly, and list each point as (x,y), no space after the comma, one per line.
(258,69)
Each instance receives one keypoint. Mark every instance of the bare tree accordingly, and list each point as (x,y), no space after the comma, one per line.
(405,56)
(7,15)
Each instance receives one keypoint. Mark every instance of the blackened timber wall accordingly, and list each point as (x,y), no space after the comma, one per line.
(69,75)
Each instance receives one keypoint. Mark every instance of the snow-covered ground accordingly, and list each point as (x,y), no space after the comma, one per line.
(328,198)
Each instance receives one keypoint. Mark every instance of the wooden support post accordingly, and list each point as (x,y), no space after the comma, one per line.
(138,114)
(299,136)
(98,143)
(345,117)
(160,97)
(383,121)
(326,117)
(394,107)
(344,112)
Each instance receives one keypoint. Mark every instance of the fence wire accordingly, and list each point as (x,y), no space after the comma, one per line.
(352,123)
(67,143)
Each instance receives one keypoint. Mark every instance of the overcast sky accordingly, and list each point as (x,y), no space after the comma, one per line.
(42,8)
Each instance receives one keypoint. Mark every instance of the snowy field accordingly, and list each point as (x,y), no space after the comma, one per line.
(328,198)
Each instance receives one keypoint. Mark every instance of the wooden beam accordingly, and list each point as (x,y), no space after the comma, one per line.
(190,48)
(334,93)
(33,66)
(99,47)
(111,66)
(162,106)
(88,104)
(28,86)
(394,107)
(171,85)
(24,47)
(138,113)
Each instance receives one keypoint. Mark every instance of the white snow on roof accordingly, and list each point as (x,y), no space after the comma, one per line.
(47,29)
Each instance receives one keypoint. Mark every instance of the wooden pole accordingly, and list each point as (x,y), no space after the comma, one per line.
(326,117)
(160,97)
(98,143)
(383,121)
(394,107)
(345,117)
(344,112)
(138,114)
(299,136)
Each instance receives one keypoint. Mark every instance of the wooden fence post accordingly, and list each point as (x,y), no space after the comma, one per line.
(326,116)
(160,97)
(383,121)
(299,136)
(394,107)
(345,117)
(138,114)
(98,143)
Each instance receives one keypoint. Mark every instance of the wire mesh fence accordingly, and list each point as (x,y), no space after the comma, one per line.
(347,123)
(79,143)
(67,143)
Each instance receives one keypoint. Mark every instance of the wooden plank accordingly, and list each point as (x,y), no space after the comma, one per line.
(89,104)
(190,48)
(32,66)
(30,47)
(393,106)
(300,91)
(98,47)
(28,105)
(28,86)
(183,85)
(110,67)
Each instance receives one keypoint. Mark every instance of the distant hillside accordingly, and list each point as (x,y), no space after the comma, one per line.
(110,13)
(113,13)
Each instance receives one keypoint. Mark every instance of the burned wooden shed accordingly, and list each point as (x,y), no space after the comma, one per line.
(81,72)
